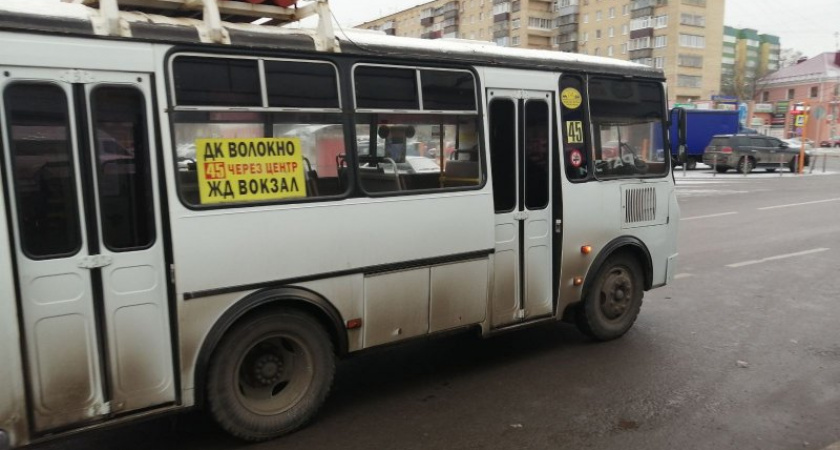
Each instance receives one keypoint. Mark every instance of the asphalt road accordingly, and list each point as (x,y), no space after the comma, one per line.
(741,352)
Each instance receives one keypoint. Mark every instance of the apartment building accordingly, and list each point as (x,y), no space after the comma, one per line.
(681,37)
(519,23)
(747,56)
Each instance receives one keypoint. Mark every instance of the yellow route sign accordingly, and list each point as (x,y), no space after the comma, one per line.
(247,170)
(801,120)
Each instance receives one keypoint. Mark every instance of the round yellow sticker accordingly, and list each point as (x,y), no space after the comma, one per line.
(571,98)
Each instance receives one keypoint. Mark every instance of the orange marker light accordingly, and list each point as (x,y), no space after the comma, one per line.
(578,281)
(354,323)
(586,249)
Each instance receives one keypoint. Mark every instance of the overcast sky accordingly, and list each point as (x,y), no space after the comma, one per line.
(805,25)
(810,26)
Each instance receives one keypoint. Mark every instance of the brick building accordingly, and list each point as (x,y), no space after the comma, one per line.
(813,83)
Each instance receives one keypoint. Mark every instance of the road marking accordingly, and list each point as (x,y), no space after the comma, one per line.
(680,276)
(710,216)
(777,257)
(800,204)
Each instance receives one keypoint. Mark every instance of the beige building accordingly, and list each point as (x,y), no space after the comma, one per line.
(682,37)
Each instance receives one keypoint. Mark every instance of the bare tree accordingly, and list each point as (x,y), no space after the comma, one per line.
(789,57)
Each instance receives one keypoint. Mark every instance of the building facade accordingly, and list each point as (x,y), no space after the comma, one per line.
(747,57)
(681,37)
(812,87)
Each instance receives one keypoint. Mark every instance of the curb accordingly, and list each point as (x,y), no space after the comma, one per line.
(834,446)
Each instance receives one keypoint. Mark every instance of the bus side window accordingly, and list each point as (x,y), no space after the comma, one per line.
(287,153)
(41,156)
(628,129)
(428,145)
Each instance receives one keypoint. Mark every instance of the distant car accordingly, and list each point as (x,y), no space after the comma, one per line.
(744,152)
(797,143)
(833,142)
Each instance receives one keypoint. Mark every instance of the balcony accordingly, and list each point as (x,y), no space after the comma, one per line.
(501,17)
(501,34)
(450,15)
(567,28)
(568,10)
(427,21)
(639,4)
(641,53)
(450,29)
(565,38)
(644,32)
(642,12)
(570,47)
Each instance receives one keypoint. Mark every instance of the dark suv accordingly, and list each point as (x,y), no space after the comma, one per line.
(744,152)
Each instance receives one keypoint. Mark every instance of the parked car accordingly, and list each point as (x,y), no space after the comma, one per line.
(744,152)
(833,142)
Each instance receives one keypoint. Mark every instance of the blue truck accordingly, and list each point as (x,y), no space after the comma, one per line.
(699,127)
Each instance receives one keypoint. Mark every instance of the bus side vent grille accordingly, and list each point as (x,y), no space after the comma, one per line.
(640,205)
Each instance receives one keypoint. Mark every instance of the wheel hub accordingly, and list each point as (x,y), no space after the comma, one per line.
(268,369)
(616,295)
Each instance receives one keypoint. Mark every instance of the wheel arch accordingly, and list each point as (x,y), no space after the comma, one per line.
(297,298)
(623,244)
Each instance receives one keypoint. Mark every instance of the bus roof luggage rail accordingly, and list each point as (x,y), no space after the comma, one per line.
(212,15)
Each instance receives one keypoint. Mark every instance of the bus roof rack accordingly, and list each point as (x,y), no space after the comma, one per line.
(212,13)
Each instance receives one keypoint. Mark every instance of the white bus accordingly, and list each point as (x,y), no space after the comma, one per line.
(200,212)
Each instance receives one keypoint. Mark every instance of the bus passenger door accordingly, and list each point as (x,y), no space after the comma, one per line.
(521,157)
(78,158)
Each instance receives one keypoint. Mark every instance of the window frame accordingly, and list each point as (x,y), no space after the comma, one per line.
(9,161)
(147,174)
(173,96)
(267,114)
(476,113)
(590,131)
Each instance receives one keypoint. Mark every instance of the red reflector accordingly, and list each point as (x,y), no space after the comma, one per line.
(726,150)
(354,323)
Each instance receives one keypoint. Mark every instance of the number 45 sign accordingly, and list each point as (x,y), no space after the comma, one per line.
(574,132)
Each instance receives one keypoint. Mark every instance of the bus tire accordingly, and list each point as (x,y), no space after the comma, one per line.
(613,300)
(270,375)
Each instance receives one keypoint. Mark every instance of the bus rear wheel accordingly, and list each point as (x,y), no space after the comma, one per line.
(270,375)
(613,301)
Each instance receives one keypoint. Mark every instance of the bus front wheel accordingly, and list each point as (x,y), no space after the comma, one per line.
(613,300)
(270,375)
